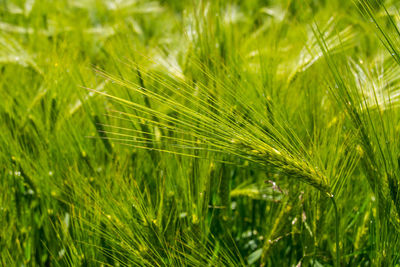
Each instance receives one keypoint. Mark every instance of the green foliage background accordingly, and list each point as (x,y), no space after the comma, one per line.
(199,133)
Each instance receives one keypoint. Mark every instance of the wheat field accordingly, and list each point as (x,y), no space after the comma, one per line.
(199,133)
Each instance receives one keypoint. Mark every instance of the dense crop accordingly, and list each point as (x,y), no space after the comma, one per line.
(199,133)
